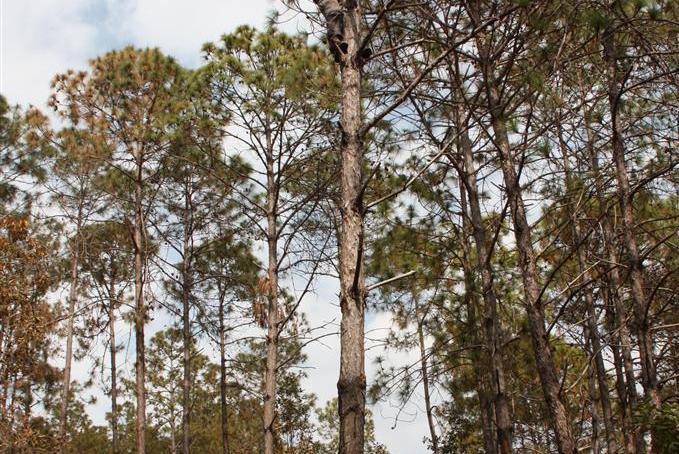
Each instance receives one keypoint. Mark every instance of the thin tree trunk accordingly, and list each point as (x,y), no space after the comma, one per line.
(140,309)
(641,324)
(593,397)
(28,403)
(622,336)
(273,318)
(600,372)
(620,386)
(72,303)
(4,371)
(528,265)
(597,356)
(12,410)
(486,403)
(186,322)
(114,371)
(592,329)
(547,371)
(222,377)
(173,438)
(491,322)
(487,416)
(616,312)
(425,378)
(66,390)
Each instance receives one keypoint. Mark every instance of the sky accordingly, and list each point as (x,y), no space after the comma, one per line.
(41,38)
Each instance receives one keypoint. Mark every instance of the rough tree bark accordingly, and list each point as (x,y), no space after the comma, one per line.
(352,382)
(351,385)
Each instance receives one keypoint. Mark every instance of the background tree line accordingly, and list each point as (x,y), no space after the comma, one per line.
(500,177)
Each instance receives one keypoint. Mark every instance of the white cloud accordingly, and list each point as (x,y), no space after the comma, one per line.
(185,26)
(40,38)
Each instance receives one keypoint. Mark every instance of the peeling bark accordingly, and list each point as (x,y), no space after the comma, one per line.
(351,385)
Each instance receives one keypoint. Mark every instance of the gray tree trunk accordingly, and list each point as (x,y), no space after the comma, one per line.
(592,331)
(593,398)
(222,378)
(425,378)
(72,303)
(140,308)
(273,318)
(114,370)
(479,360)
(186,289)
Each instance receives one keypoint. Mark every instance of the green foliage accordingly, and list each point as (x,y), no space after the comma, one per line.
(664,424)
(272,66)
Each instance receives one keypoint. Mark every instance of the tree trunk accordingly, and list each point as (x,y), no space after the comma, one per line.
(173,438)
(425,378)
(486,403)
(592,331)
(140,309)
(222,377)
(641,325)
(351,385)
(273,318)
(597,353)
(593,398)
(620,386)
(186,322)
(72,302)
(114,371)
(491,322)
(527,263)
(616,312)
(547,371)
